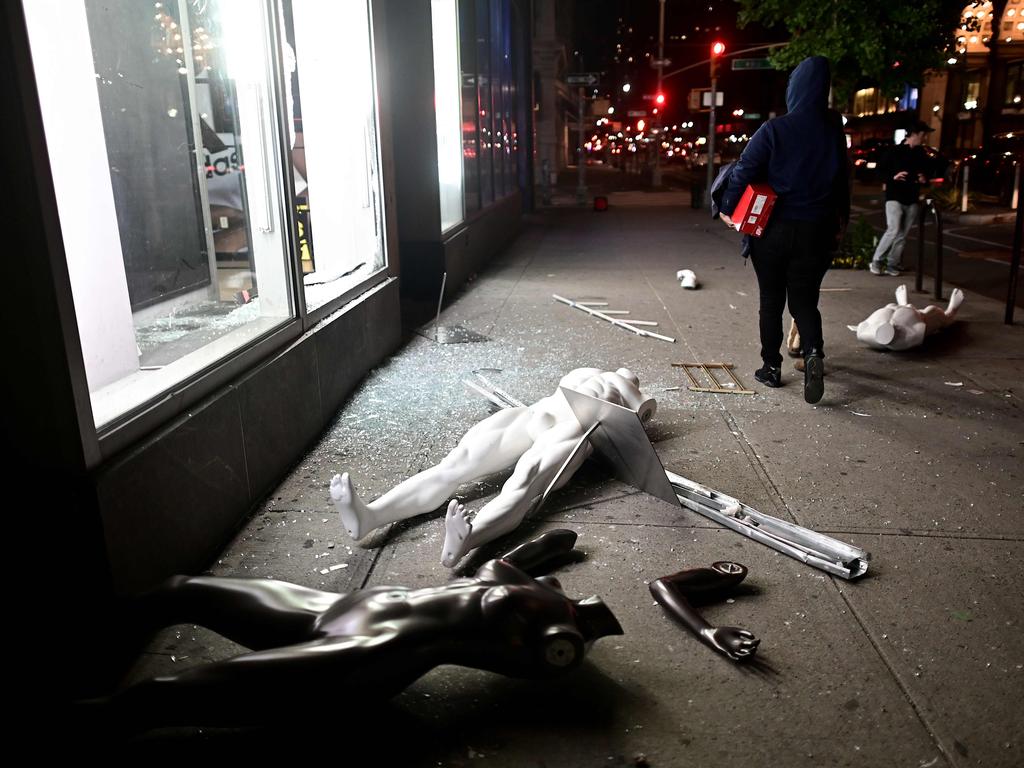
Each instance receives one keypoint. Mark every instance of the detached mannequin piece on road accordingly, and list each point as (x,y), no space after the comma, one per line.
(537,439)
(364,646)
(901,326)
(675,592)
(687,279)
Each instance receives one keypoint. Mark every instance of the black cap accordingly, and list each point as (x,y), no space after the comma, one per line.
(919,126)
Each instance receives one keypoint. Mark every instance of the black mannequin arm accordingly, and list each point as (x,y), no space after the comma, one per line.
(675,592)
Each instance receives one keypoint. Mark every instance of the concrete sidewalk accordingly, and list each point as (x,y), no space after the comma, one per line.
(915,457)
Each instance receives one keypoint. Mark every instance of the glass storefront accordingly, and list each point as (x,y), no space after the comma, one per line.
(470,106)
(163,123)
(489,98)
(329,79)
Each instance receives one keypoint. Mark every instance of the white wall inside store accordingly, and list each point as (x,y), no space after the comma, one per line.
(67,85)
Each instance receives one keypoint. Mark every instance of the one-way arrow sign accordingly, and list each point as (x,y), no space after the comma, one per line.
(583,78)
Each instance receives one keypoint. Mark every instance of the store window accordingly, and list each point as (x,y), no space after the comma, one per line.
(484,97)
(908,101)
(489,100)
(169,158)
(332,116)
(497,8)
(971,91)
(864,102)
(448,108)
(1014,85)
(471,143)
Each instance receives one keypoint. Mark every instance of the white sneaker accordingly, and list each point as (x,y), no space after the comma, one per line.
(876,269)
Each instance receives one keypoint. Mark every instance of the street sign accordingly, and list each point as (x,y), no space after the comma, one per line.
(583,78)
(661,63)
(637,113)
(705,98)
(751,64)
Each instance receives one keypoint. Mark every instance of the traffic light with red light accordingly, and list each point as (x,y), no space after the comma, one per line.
(659,99)
(717,50)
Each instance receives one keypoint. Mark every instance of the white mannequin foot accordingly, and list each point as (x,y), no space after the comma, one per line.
(901,296)
(955,300)
(356,518)
(456,534)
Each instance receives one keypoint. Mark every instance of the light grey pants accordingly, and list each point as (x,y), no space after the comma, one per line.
(899,219)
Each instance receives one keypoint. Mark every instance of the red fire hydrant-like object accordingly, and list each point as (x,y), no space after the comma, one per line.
(600,203)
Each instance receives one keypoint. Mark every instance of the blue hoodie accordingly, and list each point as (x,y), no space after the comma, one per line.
(801,155)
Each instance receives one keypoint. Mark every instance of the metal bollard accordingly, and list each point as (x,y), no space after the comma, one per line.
(929,205)
(919,279)
(938,251)
(963,198)
(1011,288)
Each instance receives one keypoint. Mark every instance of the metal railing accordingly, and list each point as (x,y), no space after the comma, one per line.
(1011,289)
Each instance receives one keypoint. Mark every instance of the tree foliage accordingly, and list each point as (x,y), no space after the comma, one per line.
(883,42)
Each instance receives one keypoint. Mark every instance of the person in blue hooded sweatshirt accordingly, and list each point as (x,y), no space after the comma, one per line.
(802,156)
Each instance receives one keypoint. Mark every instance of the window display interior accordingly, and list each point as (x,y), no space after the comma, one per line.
(163,125)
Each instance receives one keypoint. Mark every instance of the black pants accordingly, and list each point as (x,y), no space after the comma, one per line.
(791,260)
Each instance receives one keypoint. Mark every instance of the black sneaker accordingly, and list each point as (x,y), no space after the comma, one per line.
(814,373)
(769,376)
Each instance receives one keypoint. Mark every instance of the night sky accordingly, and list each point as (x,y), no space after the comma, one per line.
(690,29)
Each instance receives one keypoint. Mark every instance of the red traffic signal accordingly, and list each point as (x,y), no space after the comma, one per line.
(659,99)
(717,49)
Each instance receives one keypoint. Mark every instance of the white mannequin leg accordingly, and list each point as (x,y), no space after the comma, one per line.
(936,318)
(533,472)
(956,298)
(884,334)
(490,446)
(793,339)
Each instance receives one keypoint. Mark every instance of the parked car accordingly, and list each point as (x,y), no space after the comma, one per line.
(866,158)
(992,169)
(698,158)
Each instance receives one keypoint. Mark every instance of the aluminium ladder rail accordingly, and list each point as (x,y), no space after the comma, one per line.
(810,547)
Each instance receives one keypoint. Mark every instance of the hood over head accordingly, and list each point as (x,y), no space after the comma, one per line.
(808,85)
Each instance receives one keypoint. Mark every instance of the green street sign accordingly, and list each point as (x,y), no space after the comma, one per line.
(751,64)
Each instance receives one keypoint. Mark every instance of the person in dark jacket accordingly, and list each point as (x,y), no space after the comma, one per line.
(802,156)
(904,169)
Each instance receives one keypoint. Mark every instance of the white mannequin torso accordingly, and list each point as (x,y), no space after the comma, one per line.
(901,326)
